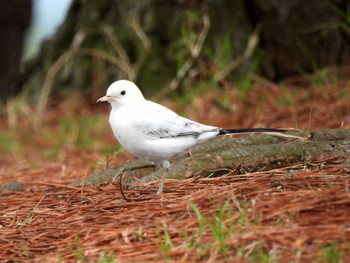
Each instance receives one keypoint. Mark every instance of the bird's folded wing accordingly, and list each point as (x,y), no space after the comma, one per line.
(160,122)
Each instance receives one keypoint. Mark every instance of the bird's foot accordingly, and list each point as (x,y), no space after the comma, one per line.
(118,178)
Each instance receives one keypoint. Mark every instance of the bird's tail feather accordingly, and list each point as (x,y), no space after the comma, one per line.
(251,130)
(268,131)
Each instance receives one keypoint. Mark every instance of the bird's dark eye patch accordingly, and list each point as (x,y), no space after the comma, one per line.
(123,92)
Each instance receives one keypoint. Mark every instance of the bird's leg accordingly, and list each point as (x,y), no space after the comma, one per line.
(166,166)
(121,187)
(161,184)
(123,171)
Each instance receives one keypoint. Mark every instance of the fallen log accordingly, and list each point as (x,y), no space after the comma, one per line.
(253,153)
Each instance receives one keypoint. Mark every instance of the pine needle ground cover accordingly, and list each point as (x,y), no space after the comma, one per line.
(300,212)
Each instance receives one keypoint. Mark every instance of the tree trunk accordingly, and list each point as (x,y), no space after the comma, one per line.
(302,36)
(15,17)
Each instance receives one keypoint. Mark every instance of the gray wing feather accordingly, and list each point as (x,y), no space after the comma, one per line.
(160,122)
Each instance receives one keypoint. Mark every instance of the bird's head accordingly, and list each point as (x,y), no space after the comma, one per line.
(122,92)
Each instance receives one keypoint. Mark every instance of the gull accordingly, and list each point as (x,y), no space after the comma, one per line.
(155,133)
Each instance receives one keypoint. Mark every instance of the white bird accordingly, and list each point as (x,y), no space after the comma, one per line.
(153,132)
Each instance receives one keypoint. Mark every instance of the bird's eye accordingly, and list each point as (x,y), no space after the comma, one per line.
(123,92)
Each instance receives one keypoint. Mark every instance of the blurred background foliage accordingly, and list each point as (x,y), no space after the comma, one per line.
(173,46)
